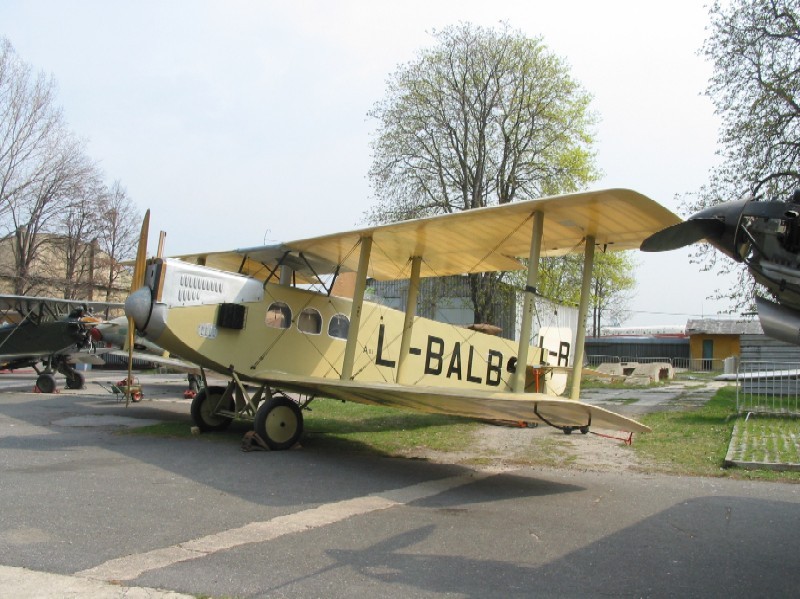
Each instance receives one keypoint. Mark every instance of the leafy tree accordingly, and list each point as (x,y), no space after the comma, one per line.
(484,117)
(754,46)
(612,282)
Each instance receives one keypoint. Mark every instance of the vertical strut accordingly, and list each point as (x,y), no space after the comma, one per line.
(583,309)
(355,313)
(411,312)
(527,311)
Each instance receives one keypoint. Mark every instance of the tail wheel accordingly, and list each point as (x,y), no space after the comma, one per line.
(203,406)
(279,422)
(46,383)
(75,380)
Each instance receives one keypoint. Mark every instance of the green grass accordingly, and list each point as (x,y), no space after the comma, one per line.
(695,442)
(389,431)
(769,439)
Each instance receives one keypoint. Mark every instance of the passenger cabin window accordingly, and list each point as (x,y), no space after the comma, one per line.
(279,316)
(339,326)
(310,321)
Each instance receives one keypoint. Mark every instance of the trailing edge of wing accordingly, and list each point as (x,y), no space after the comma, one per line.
(480,240)
(516,407)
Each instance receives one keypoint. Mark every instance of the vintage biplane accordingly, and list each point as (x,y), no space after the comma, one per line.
(56,332)
(246,314)
(765,236)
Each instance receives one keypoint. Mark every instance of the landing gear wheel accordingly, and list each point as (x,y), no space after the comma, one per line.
(279,422)
(46,383)
(584,430)
(202,409)
(75,380)
(568,430)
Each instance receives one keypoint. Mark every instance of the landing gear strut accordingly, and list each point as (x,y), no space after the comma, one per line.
(46,381)
(277,418)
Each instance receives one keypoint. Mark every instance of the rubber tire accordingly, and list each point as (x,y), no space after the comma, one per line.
(75,380)
(279,422)
(46,383)
(202,404)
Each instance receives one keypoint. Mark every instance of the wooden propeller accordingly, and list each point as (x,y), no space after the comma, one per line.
(137,281)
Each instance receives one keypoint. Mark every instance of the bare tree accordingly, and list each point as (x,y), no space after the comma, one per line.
(28,122)
(46,181)
(117,235)
(76,242)
(60,178)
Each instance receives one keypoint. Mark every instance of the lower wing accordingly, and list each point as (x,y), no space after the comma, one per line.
(481,405)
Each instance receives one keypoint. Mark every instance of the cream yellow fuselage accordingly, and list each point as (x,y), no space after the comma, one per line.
(224,321)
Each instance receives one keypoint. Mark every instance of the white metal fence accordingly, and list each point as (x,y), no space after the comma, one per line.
(691,364)
(768,387)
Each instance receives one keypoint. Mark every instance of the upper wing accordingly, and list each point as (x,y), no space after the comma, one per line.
(480,240)
(482,405)
(16,308)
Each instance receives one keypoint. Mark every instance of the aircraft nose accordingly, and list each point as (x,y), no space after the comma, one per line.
(139,307)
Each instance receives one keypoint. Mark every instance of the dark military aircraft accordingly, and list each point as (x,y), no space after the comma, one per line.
(765,236)
(54,332)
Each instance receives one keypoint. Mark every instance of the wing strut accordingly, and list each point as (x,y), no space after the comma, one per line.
(527,311)
(411,312)
(358,304)
(583,309)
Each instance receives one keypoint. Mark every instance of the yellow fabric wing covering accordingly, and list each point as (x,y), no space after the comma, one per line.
(480,240)
(481,405)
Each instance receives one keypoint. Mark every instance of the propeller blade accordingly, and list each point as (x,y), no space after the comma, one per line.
(139,271)
(683,234)
(141,254)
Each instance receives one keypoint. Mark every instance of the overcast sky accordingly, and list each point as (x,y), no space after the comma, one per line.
(240,123)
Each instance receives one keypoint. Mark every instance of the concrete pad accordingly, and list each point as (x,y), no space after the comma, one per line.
(104,420)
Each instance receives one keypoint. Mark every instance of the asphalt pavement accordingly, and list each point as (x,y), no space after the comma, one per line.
(90,511)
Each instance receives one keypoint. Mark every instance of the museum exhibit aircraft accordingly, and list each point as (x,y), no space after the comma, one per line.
(248,315)
(765,236)
(56,332)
